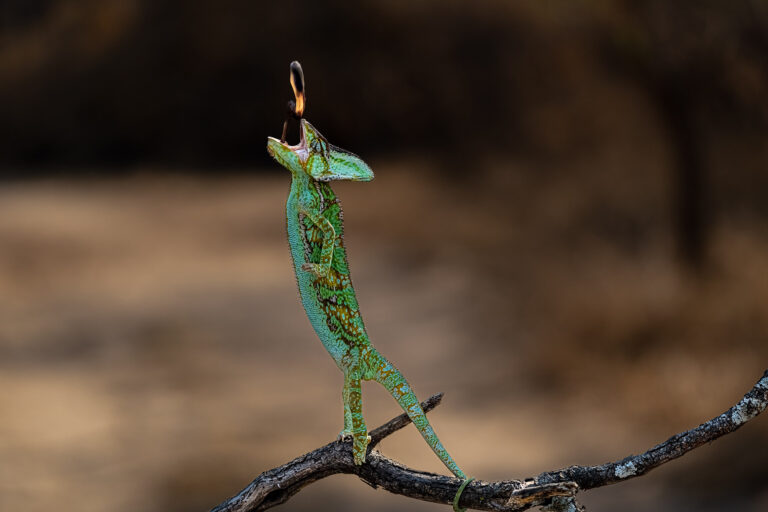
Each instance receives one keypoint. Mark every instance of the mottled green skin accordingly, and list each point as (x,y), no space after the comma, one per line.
(315,234)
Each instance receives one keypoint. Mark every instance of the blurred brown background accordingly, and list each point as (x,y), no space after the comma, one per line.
(567,235)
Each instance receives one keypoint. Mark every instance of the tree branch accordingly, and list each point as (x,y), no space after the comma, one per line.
(553,488)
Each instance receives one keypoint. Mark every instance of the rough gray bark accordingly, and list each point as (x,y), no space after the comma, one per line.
(553,489)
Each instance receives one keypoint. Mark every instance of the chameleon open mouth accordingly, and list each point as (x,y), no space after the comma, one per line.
(277,148)
(273,143)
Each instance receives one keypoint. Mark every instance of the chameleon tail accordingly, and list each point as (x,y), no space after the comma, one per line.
(394,382)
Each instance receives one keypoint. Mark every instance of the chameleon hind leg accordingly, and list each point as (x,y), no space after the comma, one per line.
(354,424)
(347,431)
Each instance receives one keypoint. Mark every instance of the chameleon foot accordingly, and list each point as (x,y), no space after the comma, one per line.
(458,495)
(360,447)
(345,435)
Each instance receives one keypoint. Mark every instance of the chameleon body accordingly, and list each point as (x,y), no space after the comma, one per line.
(315,235)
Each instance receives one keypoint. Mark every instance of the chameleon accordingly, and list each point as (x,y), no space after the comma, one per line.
(315,229)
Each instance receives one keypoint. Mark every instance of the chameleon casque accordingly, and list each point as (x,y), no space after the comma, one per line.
(315,235)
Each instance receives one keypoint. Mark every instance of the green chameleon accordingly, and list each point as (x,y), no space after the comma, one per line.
(315,235)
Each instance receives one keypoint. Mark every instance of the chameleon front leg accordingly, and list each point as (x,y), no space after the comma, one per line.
(329,242)
(353,401)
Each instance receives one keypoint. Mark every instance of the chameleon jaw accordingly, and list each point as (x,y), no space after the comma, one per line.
(276,148)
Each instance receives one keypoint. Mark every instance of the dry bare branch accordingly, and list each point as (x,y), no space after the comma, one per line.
(553,489)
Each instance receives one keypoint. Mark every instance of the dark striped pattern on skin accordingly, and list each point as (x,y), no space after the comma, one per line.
(334,292)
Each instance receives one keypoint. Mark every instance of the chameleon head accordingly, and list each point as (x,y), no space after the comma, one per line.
(314,156)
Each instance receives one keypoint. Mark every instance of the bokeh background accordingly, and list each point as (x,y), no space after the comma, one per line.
(568,235)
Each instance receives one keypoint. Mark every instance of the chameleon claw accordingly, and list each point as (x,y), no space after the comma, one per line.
(458,495)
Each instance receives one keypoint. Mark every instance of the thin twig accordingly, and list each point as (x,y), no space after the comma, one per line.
(279,484)
(588,477)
